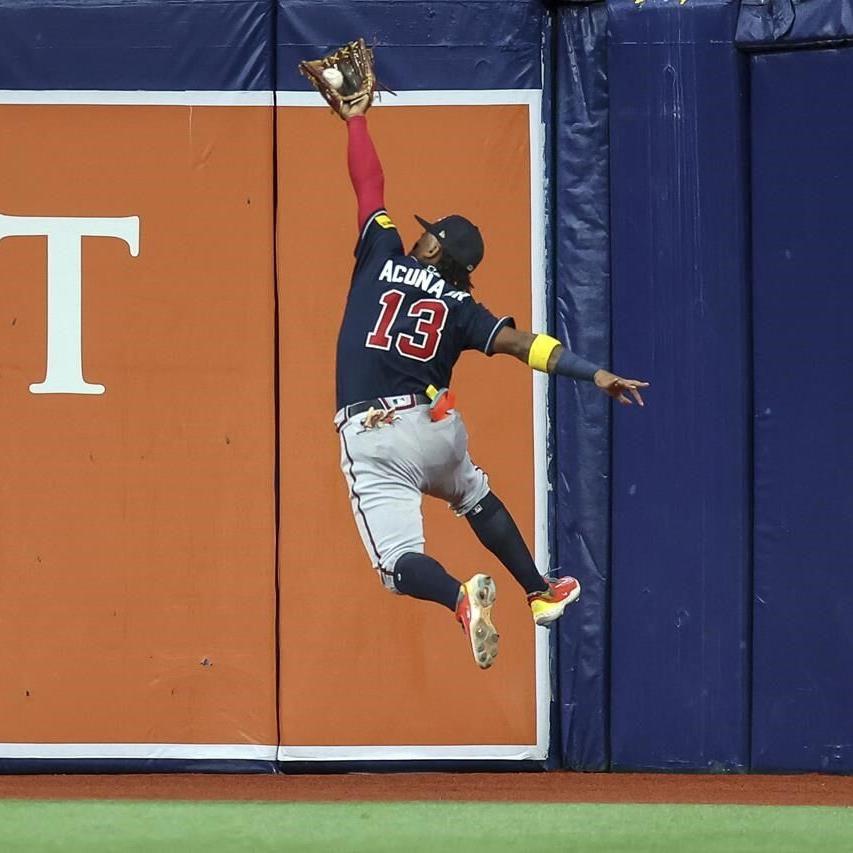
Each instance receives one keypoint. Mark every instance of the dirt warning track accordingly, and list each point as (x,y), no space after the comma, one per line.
(560,787)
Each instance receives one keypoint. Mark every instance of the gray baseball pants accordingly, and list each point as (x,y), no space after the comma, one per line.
(389,468)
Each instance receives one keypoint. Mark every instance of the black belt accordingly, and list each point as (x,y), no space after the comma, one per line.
(398,402)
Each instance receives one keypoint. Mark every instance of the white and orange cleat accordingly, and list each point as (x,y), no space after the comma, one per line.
(548,606)
(474,614)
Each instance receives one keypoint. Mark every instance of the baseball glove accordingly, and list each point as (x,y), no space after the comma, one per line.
(344,76)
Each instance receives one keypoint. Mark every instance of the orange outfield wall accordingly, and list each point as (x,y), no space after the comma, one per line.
(137,527)
(137,578)
(360,666)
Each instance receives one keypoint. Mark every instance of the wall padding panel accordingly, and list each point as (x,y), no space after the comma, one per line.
(681,467)
(802,185)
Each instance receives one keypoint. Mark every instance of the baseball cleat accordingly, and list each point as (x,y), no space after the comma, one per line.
(548,606)
(474,614)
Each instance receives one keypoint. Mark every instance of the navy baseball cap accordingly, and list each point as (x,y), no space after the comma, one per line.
(459,237)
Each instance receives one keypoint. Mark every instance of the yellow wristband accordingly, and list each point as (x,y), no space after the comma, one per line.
(540,352)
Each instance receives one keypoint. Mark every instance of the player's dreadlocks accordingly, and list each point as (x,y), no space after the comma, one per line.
(454,273)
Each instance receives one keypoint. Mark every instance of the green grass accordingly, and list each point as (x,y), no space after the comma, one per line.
(442,827)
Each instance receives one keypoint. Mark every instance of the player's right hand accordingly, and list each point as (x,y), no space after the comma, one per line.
(616,387)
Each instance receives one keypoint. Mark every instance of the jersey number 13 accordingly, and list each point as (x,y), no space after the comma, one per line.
(430,314)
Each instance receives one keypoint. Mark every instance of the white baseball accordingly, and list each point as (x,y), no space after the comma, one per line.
(333,77)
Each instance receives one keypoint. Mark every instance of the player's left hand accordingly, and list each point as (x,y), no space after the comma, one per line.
(356,108)
(618,388)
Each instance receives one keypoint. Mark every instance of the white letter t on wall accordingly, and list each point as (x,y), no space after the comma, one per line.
(64,374)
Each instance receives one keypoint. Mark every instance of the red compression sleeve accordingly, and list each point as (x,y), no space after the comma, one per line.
(365,170)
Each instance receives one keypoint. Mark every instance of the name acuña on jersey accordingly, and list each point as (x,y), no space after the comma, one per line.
(426,279)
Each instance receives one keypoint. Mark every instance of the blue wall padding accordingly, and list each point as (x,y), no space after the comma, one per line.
(785,23)
(582,423)
(423,44)
(136,44)
(681,467)
(802,186)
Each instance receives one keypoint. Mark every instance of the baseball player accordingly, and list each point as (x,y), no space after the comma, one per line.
(408,318)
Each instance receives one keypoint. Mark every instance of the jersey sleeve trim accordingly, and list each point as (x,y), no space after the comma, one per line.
(370,220)
(504,321)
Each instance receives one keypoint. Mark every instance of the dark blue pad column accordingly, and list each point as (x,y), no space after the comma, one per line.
(581,220)
(802,185)
(681,466)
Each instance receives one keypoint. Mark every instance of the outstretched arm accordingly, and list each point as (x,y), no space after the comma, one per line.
(365,170)
(545,353)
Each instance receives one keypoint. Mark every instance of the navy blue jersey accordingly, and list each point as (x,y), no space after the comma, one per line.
(404,327)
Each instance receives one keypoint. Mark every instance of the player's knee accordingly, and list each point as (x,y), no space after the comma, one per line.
(389,563)
(484,509)
(474,491)
(386,578)
(400,564)
(393,560)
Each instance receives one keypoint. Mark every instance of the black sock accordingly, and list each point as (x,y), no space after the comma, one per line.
(422,577)
(495,528)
